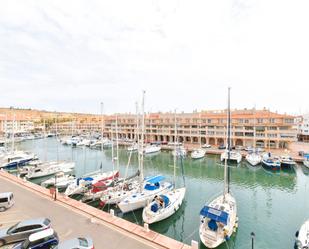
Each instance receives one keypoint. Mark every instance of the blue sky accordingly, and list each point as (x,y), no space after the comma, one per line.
(71,55)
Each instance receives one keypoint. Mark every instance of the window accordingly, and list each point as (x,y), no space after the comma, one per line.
(3,200)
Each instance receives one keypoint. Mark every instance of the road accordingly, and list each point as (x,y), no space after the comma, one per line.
(66,222)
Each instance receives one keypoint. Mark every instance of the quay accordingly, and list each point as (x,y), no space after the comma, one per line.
(71,218)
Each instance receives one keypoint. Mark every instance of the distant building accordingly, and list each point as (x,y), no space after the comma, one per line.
(303,128)
(16,123)
(272,130)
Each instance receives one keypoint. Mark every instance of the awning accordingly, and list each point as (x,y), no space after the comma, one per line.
(155,179)
(215,214)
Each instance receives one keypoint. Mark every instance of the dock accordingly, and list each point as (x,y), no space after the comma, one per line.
(71,218)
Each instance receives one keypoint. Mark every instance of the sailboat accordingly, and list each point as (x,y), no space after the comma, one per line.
(149,187)
(253,157)
(219,218)
(165,205)
(200,152)
(302,237)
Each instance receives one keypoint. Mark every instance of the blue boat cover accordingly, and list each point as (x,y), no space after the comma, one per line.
(155,179)
(165,199)
(149,186)
(88,179)
(215,214)
(154,207)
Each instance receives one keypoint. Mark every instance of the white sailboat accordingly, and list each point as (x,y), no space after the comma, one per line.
(81,185)
(231,156)
(165,205)
(302,237)
(253,157)
(128,186)
(219,218)
(153,186)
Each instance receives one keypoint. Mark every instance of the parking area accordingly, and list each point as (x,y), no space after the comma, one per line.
(68,223)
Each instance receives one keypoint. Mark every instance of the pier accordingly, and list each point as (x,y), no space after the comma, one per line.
(71,218)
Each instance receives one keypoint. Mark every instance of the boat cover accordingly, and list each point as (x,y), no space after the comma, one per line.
(215,214)
(155,179)
(165,199)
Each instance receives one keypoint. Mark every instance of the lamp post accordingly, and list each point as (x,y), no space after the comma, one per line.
(55,196)
(252,239)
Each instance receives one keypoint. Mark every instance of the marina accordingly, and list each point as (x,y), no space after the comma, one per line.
(261,194)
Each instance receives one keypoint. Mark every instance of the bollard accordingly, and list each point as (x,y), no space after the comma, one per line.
(146,227)
(194,244)
(112,212)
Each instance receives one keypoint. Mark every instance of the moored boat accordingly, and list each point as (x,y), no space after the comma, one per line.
(302,237)
(271,162)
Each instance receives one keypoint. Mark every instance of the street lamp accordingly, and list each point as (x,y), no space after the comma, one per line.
(252,239)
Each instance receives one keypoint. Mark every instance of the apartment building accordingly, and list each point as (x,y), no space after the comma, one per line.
(16,123)
(303,128)
(272,130)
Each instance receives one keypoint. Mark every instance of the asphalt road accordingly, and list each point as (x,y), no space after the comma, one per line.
(66,222)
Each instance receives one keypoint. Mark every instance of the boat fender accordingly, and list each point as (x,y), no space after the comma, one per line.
(225,232)
(296,234)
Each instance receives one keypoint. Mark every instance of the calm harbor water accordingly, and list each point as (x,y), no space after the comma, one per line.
(272,205)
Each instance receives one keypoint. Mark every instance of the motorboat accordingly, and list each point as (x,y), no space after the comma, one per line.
(59,180)
(287,161)
(51,169)
(82,185)
(271,162)
(153,186)
(17,159)
(152,149)
(198,153)
(254,158)
(302,237)
(231,156)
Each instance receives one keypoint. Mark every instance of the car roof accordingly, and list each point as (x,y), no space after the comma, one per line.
(42,234)
(32,222)
(72,242)
(6,194)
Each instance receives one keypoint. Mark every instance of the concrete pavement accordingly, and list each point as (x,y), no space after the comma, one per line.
(68,223)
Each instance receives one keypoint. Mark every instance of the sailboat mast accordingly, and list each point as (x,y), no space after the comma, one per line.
(141,152)
(13,133)
(57,137)
(229,141)
(102,129)
(175,151)
(254,130)
(117,143)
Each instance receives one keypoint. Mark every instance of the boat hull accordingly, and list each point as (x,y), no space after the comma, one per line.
(152,217)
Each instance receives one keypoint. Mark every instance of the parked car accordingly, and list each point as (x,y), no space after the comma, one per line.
(6,201)
(221,147)
(206,146)
(46,239)
(76,243)
(21,230)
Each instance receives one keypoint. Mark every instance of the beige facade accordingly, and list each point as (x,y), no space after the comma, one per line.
(272,129)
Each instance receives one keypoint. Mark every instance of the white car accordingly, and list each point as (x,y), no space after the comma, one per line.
(76,243)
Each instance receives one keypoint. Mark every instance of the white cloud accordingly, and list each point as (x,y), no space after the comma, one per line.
(70,55)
